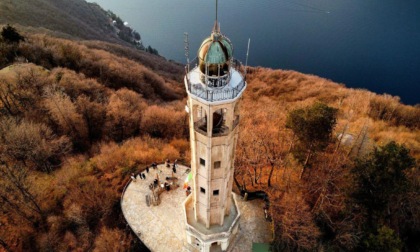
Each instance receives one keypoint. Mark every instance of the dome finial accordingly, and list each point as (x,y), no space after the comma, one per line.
(216,27)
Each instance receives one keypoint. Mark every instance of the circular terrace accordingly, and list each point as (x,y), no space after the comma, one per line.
(162,227)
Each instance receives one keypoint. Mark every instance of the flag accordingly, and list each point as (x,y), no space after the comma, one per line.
(187,179)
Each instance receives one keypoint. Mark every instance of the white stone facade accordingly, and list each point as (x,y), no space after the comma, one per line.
(213,138)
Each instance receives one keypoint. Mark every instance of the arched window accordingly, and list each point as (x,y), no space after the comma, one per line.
(219,123)
(200,119)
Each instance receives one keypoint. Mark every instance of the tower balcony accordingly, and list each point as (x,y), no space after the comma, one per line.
(214,89)
(201,127)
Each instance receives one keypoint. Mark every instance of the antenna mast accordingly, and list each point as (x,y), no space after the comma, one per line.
(216,28)
(216,10)
(187,50)
(247,53)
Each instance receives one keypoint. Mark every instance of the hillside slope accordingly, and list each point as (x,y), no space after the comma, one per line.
(77,117)
(76,18)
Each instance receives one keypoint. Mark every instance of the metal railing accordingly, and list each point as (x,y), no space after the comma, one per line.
(214,94)
(201,126)
(235,122)
(220,131)
(193,63)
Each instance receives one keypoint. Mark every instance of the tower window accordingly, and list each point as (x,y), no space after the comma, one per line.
(202,162)
(202,190)
(219,123)
(217,164)
(215,192)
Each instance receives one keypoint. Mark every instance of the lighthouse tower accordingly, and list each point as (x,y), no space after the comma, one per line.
(214,82)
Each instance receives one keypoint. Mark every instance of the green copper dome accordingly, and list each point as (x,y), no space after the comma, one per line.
(215,54)
(215,49)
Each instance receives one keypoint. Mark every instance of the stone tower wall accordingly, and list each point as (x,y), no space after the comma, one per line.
(212,160)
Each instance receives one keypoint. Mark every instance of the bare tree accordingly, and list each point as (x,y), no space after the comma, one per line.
(4,245)
(294,228)
(94,115)
(16,196)
(21,90)
(275,149)
(64,113)
(33,144)
(124,114)
(252,153)
(106,240)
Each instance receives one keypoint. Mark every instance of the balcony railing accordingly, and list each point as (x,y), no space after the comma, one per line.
(213,93)
(201,127)
(220,131)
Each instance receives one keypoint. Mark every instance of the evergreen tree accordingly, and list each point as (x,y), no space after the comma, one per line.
(383,240)
(10,35)
(381,176)
(313,127)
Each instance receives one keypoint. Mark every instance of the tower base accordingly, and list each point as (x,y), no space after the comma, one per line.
(216,237)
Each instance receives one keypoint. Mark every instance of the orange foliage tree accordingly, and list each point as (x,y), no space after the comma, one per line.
(124,113)
(164,122)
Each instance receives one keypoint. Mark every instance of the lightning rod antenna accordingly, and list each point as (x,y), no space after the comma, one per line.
(187,50)
(247,53)
(216,10)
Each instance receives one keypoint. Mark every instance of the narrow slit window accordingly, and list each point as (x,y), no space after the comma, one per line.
(215,192)
(217,164)
(202,162)
(202,190)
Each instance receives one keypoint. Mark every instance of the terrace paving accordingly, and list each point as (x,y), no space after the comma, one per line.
(162,227)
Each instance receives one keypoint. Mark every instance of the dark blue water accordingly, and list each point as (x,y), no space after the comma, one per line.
(362,43)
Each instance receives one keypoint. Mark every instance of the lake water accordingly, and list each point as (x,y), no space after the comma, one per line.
(364,44)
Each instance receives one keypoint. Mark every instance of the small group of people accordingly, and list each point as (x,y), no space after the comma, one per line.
(174,165)
(154,184)
(140,174)
(154,166)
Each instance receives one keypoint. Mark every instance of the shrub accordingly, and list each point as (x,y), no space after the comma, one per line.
(10,35)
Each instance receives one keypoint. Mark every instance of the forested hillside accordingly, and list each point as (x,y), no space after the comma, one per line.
(75,19)
(340,165)
(63,105)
